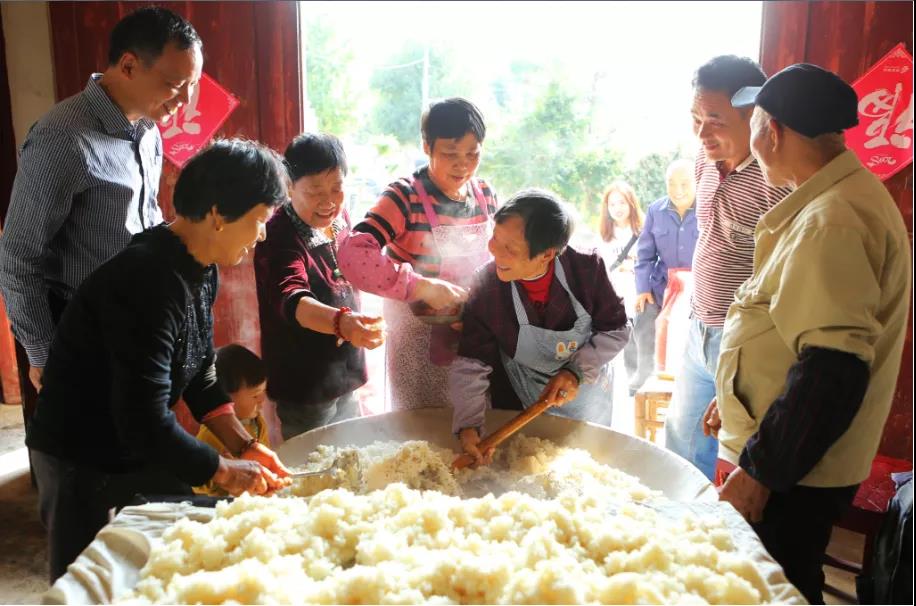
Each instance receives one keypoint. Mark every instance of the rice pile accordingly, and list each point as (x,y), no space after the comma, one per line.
(556,527)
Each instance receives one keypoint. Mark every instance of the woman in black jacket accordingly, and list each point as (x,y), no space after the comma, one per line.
(136,337)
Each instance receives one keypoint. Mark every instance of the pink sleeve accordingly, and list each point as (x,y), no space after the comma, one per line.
(226,409)
(362,262)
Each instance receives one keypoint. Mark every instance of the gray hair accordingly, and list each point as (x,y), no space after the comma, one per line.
(676,165)
(829,145)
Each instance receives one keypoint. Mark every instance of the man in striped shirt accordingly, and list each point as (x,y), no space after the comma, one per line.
(731,196)
(89,170)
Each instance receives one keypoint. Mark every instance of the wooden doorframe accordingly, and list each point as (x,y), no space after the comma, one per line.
(9,379)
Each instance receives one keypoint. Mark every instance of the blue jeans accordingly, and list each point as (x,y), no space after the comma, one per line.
(694,389)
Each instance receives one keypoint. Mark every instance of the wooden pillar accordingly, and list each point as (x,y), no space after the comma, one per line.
(9,380)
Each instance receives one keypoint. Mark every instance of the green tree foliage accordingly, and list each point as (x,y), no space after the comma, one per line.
(647,177)
(540,131)
(549,147)
(398,90)
(329,78)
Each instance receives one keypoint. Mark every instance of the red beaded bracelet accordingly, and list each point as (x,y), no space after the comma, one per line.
(340,313)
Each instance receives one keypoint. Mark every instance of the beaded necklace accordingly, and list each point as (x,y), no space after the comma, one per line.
(336,273)
(308,234)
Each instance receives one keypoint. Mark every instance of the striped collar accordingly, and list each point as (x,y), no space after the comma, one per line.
(110,115)
(744,164)
(437,195)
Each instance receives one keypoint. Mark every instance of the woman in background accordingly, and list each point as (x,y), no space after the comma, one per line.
(621,224)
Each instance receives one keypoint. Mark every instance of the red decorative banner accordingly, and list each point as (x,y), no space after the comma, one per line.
(192,126)
(883,140)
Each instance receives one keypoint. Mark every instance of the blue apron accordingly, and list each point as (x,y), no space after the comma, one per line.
(541,353)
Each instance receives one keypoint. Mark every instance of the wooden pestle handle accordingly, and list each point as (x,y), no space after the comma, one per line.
(502,433)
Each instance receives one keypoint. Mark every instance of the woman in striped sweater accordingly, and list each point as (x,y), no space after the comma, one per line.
(420,244)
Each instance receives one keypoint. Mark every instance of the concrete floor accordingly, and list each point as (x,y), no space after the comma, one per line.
(12,431)
(23,550)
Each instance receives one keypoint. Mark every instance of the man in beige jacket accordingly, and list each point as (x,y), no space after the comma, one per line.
(811,346)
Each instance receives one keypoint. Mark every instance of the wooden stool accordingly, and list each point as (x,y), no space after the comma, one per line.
(651,401)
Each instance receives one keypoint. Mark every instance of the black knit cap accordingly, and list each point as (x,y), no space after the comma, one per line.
(808,99)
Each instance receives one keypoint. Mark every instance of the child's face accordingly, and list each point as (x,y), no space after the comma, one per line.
(248,400)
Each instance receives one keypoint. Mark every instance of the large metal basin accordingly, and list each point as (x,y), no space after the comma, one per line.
(654,466)
(111,564)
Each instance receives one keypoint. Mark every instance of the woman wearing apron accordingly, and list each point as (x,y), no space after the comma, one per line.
(433,227)
(544,314)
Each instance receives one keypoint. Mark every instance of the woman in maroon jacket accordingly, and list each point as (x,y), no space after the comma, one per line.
(311,329)
(542,317)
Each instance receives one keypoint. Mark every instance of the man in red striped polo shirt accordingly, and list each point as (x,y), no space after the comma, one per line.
(731,196)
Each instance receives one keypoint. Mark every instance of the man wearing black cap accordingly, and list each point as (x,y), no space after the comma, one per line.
(811,347)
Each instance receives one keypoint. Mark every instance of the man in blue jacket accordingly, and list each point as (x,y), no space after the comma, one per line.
(666,242)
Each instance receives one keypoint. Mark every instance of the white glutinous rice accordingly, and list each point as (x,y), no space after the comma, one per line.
(544,524)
